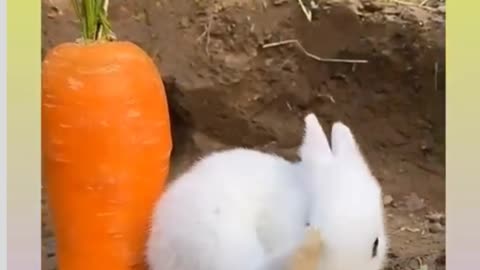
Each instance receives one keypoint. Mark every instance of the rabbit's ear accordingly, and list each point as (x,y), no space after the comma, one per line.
(315,144)
(344,144)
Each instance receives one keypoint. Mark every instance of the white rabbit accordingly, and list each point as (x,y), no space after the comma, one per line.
(247,210)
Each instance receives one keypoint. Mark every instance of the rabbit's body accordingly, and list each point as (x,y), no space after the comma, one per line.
(230,211)
(246,210)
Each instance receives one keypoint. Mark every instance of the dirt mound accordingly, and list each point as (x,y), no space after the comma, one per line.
(226,89)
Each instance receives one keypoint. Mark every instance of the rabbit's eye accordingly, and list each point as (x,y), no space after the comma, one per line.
(307,224)
(375,247)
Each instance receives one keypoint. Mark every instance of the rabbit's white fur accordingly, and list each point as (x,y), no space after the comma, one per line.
(240,209)
(226,212)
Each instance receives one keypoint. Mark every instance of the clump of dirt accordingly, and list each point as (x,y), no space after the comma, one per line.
(226,89)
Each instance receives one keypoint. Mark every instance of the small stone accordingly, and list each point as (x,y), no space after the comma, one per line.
(414,203)
(140,17)
(238,62)
(436,228)
(414,263)
(289,66)
(426,147)
(269,62)
(392,255)
(436,217)
(185,22)
(386,52)
(124,9)
(370,6)
(54,12)
(387,200)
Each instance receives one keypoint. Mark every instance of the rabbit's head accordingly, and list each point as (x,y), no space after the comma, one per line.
(346,205)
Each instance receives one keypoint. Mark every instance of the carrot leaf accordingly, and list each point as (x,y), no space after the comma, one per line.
(93,19)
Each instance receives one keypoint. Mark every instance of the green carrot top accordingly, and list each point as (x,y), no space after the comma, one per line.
(93,19)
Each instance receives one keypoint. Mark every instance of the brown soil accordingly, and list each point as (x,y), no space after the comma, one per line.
(225,90)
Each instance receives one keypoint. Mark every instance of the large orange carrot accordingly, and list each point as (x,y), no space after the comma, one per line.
(106,146)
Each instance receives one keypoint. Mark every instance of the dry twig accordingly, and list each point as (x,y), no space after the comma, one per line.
(206,34)
(408,229)
(328,96)
(424,2)
(307,12)
(315,57)
(415,5)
